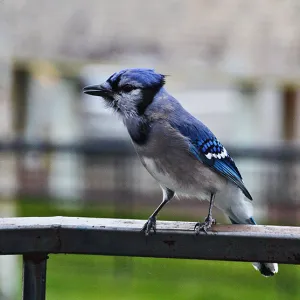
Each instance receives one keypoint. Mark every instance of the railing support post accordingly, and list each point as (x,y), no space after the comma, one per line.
(34,276)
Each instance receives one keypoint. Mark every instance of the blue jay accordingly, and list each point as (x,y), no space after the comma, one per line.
(179,151)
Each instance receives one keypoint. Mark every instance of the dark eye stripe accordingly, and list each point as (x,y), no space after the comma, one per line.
(127,88)
(114,81)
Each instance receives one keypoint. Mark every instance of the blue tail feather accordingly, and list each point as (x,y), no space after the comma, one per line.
(248,221)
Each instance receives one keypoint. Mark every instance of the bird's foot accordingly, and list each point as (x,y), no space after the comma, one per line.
(150,224)
(209,221)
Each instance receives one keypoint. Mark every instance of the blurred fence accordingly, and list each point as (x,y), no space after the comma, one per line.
(111,174)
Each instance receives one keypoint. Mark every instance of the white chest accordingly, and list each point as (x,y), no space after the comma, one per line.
(161,176)
(200,184)
(165,179)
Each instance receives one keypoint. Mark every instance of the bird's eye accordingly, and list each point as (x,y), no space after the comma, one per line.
(127,88)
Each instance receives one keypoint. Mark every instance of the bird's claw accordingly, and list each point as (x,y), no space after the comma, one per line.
(209,221)
(150,224)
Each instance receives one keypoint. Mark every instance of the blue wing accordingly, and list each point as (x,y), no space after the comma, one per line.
(205,146)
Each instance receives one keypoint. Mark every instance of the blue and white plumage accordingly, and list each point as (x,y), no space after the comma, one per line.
(179,151)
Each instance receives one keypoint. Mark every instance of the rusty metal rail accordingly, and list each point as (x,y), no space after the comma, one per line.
(35,238)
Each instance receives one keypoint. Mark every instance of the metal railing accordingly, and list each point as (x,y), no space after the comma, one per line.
(36,237)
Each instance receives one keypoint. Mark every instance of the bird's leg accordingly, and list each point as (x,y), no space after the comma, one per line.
(209,221)
(151,223)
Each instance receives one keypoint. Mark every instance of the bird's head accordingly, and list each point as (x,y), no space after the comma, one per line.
(129,91)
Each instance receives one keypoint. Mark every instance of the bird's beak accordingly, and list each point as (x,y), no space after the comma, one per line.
(102,90)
